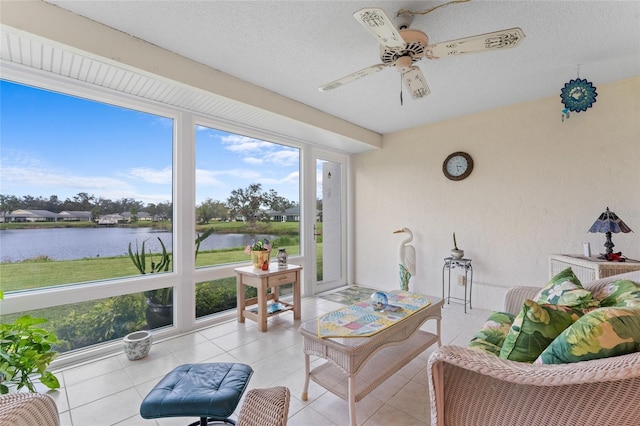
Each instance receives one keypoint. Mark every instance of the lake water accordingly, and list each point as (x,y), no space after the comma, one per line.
(78,243)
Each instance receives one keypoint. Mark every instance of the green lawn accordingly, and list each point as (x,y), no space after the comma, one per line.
(43,272)
(30,274)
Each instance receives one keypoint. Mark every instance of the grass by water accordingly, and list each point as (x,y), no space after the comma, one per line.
(43,272)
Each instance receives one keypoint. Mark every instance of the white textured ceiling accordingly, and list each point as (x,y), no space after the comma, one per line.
(292,47)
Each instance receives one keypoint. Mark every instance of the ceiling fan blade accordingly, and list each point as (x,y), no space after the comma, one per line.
(503,39)
(415,82)
(353,76)
(377,22)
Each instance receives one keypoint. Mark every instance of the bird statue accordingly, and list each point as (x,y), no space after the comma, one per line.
(407,259)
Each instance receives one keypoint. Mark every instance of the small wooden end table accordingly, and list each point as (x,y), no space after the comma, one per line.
(263,280)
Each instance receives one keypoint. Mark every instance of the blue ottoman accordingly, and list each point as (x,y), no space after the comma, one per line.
(209,391)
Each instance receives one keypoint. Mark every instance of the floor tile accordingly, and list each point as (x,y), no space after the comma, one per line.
(109,410)
(99,387)
(108,391)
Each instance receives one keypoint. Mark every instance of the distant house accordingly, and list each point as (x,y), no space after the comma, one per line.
(110,219)
(32,216)
(75,216)
(289,215)
(139,215)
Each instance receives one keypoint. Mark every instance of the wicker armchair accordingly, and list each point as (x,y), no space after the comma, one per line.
(468,387)
(265,407)
(28,409)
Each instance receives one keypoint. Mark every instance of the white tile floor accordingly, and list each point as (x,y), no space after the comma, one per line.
(109,391)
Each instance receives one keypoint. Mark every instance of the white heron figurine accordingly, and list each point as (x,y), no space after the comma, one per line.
(407,259)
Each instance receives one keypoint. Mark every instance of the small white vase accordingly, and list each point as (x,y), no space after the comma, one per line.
(137,344)
(457,254)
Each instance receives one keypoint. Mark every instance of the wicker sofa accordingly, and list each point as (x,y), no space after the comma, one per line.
(468,387)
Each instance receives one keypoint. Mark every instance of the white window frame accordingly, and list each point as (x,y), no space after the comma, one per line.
(184,275)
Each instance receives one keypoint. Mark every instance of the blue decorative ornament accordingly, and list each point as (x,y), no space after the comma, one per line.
(379,301)
(578,95)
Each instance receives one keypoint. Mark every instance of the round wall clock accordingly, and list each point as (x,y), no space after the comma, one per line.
(457,166)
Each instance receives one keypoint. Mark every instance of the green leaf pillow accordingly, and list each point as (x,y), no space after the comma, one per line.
(619,293)
(565,289)
(534,328)
(602,333)
(492,334)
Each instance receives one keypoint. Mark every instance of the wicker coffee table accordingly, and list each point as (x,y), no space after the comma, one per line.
(357,365)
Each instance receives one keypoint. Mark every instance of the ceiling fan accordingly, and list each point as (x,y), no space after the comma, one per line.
(402,48)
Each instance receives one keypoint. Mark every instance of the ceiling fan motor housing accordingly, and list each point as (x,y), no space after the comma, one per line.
(415,44)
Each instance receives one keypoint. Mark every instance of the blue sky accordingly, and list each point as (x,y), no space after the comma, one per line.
(52,144)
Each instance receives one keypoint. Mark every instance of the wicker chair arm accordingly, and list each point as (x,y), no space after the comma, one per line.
(470,387)
(515,296)
(606,369)
(27,409)
(265,407)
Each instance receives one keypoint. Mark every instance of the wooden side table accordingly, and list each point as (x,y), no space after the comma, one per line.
(263,280)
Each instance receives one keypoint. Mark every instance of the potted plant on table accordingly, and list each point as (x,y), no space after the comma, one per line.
(260,252)
(456,253)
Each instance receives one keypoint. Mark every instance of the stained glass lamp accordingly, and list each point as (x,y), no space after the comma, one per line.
(607,223)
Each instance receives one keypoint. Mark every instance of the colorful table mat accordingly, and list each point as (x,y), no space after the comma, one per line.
(360,320)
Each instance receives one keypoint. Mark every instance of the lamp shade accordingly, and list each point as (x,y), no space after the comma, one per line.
(609,222)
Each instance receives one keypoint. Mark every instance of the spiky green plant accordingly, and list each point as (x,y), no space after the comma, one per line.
(201,237)
(139,259)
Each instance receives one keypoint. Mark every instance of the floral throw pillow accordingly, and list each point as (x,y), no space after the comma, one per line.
(602,333)
(534,328)
(619,293)
(565,289)
(492,334)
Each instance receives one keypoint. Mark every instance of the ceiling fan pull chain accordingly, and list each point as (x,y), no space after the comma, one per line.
(401,92)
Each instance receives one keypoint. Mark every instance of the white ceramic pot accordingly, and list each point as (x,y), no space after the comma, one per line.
(137,344)
(457,254)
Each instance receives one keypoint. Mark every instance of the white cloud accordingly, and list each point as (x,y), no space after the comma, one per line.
(207,178)
(254,161)
(148,175)
(241,144)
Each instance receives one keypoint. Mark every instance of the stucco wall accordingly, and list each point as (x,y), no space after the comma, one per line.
(537,186)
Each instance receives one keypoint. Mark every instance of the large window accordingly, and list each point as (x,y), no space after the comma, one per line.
(123,213)
(80,182)
(246,190)
(85,197)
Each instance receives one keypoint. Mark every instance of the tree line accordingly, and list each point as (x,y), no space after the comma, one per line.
(83,202)
(250,203)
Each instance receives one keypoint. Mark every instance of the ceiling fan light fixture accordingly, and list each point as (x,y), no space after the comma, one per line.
(403,48)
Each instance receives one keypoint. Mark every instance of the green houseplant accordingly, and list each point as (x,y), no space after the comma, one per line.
(25,354)
(159,311)
(159,301)
(456,253)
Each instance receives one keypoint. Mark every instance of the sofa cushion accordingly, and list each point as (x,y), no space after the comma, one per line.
(601,333)
(565,289)
(534,328)
(492,334)
(619,293)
